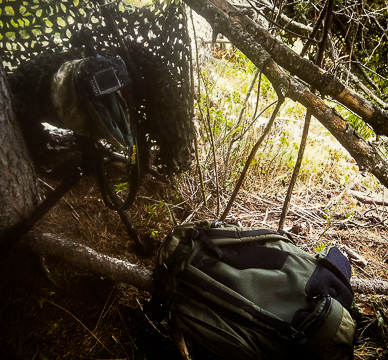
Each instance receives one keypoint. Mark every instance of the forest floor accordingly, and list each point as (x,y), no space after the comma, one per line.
(85,317)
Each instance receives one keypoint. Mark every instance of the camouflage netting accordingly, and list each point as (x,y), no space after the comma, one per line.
(35,42)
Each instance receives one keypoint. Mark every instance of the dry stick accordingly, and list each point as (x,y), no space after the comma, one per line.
(213,149)
(251,156)
(314,32)
(302,146)
(295,173)
(255,119)
(234,136)
(199,92)
(258,96)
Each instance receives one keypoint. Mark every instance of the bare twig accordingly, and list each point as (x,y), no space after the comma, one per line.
(251,157)
(199,92)
(234,130)
(328,12)
(210,134)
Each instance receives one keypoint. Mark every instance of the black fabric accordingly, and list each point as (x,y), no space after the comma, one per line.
(336,257)
(243,256)
(331,278)
(254,257)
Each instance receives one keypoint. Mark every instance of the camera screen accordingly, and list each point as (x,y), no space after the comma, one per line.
(106,81)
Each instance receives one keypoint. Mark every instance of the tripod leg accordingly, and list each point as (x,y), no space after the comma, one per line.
(132,231)
(17,231)
(113,202)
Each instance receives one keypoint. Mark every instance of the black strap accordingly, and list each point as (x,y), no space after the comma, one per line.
(210,244)
(234,234)
(173,261)
(200,260)
(305,331)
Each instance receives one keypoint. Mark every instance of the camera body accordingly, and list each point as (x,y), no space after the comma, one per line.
(100,75)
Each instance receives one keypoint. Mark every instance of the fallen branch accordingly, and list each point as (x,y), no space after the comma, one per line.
(181,344)
(85,258)
(369,286)
(355,257)
(365,199)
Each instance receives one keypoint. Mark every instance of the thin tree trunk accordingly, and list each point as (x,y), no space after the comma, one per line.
(326,18)
(250,159)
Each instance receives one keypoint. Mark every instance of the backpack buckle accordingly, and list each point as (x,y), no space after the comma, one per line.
(193,233)
(299,337)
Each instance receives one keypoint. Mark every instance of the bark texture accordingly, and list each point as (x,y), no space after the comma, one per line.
(86,259)
(19,187)
(370,286)
(218,14)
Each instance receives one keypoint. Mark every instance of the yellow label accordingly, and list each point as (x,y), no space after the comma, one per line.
(133,157)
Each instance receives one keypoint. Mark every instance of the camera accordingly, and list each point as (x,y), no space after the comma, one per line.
(102,75)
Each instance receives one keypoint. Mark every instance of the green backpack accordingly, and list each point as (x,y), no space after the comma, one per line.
(250,293)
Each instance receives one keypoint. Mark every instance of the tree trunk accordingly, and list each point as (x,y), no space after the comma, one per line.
(19,192)
(84,258)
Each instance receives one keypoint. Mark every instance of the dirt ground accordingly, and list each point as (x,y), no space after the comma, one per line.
(84,317)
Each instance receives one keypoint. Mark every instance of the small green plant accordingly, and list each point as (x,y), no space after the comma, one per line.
(152,208)
(322,245)
(121,186)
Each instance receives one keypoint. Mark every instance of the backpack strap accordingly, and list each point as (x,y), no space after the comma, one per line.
(313,321)
(235,234)
(171,264)
(204,258)
(209,243)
